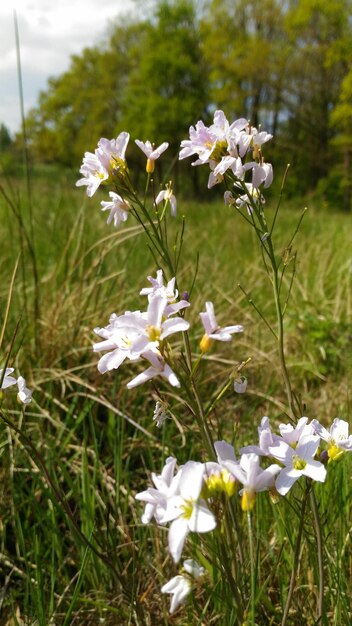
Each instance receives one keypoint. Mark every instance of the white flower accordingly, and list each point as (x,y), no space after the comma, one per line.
(7,380)
(299,461)
(253,478)
(266,439)
(94,173)
(24,394)
(212,330)
(168,291)
(150,151)
(252,196)
(240,384)
(180,586)
(153,327)
(112,152)
(167,195)
(118,209)
(159,367)
(107,158)
(165,486)
(232,163)
(187,511)
(119,337)
(337,438)
(293,434)
(201,142)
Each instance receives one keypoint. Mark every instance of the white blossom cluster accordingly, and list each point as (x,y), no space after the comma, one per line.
(137,335)
(186,498)
(24,394)
(234,149)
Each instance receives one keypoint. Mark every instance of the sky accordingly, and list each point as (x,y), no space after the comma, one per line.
(49,32)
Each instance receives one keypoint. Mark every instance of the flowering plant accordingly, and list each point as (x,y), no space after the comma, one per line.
(207,497)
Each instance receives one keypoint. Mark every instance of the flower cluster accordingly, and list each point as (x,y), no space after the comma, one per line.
(24,394)
(233,149)
(137,335)
(187,497)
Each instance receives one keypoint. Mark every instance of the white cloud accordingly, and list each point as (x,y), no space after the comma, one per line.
(50,32)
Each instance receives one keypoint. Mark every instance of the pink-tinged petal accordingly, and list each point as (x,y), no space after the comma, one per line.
(244,143)
(315,470)
(108,344)
(171,309)
(155,154)
(157,304)
(8,382)
(321,431)
(307,447)
(236,470)
(141,344)
(206,322)
(211,315)
(173,325)
(143,377)
(266,478)
(286,479)
(224,451)
(179,586)
(191,481)
(170,376)
(269,174)
(281,451)
(160,197)
(173,204)
(202,519)
(121,144)
(239,124)
(111,361)
(258,176)
(178,532)
(226,163)
(339,430)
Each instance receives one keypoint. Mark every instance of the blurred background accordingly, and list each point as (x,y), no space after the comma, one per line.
(155,68)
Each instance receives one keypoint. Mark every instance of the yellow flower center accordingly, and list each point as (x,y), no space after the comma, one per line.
(187,508)
(334,452)
(153,333)
(298,463)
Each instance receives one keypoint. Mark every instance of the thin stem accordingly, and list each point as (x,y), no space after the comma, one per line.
(252,558)
(296,556)
(318,532)
(251,302)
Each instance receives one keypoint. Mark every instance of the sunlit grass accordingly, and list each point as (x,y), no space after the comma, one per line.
(97,439)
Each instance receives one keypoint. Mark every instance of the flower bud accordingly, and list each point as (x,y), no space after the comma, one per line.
(205,343)
(150,167)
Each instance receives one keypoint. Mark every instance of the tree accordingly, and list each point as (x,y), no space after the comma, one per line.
(84,103)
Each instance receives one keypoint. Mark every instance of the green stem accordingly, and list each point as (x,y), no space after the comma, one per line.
(252,558)
(296,556)
(318,533)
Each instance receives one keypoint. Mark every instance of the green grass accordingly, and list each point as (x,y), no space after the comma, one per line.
(98,441)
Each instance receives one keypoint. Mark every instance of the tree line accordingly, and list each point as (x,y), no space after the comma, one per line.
(284,64)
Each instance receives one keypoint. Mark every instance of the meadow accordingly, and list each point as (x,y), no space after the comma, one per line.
(73,548)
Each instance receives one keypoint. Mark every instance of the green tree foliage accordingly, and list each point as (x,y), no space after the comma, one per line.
(5,138)
(168,89)
(244,45)
(312,83)
(85,102)
(281,63)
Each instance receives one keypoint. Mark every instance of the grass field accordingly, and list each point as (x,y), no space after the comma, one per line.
(97,440)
